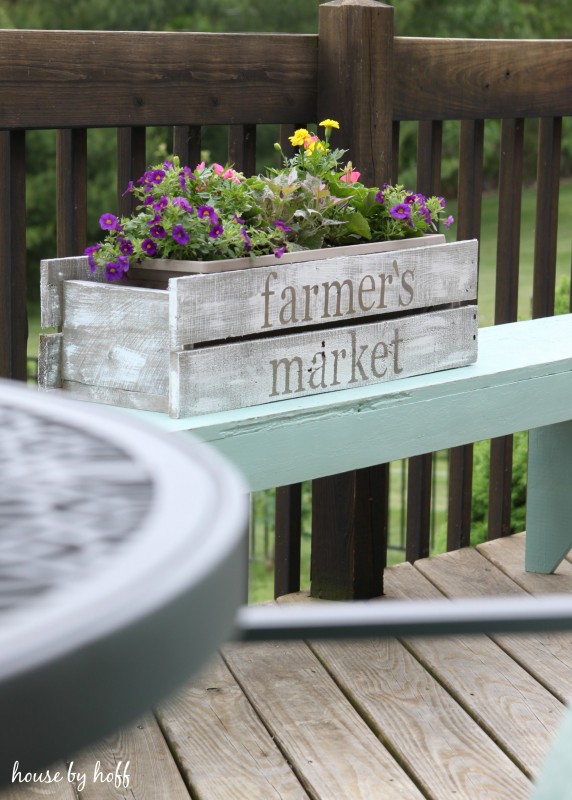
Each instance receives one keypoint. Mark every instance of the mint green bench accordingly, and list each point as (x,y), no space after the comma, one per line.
(521,381)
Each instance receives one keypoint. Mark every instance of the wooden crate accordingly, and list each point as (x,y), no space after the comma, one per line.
(211,342)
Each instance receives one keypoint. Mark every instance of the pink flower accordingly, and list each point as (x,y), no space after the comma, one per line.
(310,141)
(350,177)
(200,167)
(218,168)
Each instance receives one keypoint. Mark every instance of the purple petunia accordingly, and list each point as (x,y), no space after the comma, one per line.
(125,247)
(247,240)
(114,270)
(216,230)
(161,203)
(156,176)
(279,252)
(282,225)
(157,231)
(180,202)
(180,235)
(449,221)
(379,198)
(208,211)
(400,211)
(109,222)
(149,247)
(89,251)
(129,188)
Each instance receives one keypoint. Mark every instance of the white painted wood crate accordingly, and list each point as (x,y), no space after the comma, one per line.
(212,342)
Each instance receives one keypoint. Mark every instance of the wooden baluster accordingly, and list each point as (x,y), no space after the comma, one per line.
(71,191)
(420,468)
(131,164)
(13,310)
(506,309)
(468,227)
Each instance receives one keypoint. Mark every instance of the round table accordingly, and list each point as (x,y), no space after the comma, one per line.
(122,565)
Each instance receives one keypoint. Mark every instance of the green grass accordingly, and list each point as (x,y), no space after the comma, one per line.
(262,568)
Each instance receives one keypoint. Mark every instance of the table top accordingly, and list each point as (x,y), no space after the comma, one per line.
(115,543)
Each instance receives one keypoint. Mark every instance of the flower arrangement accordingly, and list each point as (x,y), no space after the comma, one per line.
(215,212)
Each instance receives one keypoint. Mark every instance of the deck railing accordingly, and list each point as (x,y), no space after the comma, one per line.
(371,82)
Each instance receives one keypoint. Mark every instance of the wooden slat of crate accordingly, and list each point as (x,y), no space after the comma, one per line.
(272,299)
(116,341)
(264,370)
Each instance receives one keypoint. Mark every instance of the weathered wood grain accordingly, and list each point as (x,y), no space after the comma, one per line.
(221,746)
(331,749)
(116,338)
(139,752)
(53,273)
(467,573)
(54,79)
(50,361)
(508,554)
(514,709)
(207,379)
(286,296)
(481,78)
(413,714)
(62,790)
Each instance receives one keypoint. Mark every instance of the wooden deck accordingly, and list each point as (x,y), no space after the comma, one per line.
(440,718)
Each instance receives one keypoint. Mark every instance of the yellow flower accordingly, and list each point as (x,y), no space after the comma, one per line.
(329,123)
(299,137)
(314,146)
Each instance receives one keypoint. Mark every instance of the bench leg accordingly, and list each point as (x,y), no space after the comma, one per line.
(549,497)
(554,781)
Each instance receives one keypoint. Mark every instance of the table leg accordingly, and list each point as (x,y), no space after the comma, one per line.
(549,498)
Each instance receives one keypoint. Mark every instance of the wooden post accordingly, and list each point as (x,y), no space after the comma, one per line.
(355,87)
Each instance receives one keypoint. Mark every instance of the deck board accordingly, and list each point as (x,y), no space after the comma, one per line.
(222,746)
(464,717)
(516,710)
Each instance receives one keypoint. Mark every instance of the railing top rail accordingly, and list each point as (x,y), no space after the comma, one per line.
(481,78)
(60,79)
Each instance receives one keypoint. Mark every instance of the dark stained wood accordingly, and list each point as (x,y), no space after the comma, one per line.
(71,191)
(420,468)
(548,182)
(348,551)
(131,164)
(349,534)
(288,538)
(508,243)
(13,311)
(506,308)
(468,226)
(418,507)
(159,79)
(481,78)
(242,148)
(360,34)
(187,140)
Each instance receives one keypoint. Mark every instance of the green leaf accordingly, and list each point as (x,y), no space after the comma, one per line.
(359,225)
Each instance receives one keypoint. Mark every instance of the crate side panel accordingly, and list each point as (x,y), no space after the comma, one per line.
(269,300)
(53,272)
(256,371)
(115,338)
